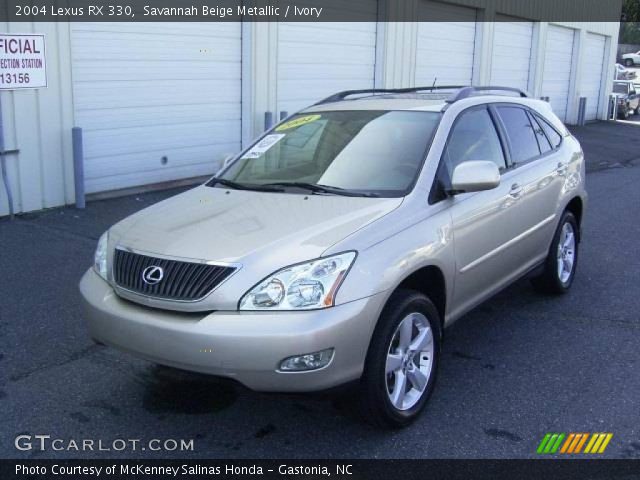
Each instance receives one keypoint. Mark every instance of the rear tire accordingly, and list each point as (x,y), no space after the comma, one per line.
(624,112)
(562,259)
(628,62)
(402,361)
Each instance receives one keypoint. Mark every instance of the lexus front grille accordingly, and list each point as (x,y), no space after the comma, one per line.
(166,279)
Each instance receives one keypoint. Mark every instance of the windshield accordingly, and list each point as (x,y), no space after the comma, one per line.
(620,88)
(374,152)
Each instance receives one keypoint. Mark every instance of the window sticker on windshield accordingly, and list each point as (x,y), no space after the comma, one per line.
(263,145)
(296,122)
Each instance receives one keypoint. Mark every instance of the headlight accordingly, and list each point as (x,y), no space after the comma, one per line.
(100,257)
(304,286)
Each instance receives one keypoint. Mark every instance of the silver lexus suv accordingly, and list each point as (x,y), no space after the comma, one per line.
(340,244)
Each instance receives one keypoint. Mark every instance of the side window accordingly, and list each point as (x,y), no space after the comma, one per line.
(543,141)
(474,137)
(554,137)
(522,137)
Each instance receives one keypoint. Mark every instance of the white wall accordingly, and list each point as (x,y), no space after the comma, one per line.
(38,123)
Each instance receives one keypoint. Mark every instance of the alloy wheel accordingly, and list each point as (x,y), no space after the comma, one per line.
(409,361)
(566,254)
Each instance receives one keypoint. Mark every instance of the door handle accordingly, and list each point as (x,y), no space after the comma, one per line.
(561,169)
(516,191)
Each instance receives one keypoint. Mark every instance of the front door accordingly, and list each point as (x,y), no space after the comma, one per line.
(483,222)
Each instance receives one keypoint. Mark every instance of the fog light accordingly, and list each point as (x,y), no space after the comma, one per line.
(309,361)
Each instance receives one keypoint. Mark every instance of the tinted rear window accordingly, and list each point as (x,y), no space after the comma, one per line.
(554,137)
(522,137)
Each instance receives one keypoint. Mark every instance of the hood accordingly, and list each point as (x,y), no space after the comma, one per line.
(224,225)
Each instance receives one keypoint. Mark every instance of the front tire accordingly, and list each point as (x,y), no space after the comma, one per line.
(402,361)
(562,259)
(628,62)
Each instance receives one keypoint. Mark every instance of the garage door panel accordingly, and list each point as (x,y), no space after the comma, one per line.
(177,158)
(142,47)
(329,33)
(323,59)
(330,54)
(558,60)
(144,91)
(320,74)
(88,96)
(446,52)
(99,71)
(158,115)
(446,49)
(156,175)
(106,143)
(511,59)
(592,73)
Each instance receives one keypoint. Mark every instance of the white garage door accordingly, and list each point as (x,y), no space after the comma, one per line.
(316,60)
(591,81)
(156,102)
(557,68)
(511,60)
(445,51)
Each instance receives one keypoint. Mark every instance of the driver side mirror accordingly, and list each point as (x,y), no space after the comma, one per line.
(474,176)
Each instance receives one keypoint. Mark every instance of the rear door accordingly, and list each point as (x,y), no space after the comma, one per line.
(536,176)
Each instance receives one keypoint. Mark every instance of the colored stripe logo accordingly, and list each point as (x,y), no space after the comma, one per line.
(574,443)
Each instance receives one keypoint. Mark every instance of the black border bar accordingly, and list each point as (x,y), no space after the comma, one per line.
(556,469)
(304,10)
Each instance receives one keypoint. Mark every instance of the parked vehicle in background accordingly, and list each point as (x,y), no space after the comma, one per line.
(631,59)
(627,98)
(621,73)
(340,244)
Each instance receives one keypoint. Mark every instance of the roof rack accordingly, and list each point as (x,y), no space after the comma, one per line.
(336,97)
(466,92)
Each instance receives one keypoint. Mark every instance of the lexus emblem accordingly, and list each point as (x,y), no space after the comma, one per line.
(152,275)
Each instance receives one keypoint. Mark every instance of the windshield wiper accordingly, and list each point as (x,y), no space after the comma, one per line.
(317,188)
(243,186)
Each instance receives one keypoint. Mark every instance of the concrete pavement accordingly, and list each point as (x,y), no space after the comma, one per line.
(515,368)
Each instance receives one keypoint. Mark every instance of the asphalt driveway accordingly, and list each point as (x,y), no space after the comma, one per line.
(515,368)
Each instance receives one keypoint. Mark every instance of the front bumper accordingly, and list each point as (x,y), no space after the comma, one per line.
(245,346)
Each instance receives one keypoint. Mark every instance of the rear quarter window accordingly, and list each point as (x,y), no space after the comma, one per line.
(552,134)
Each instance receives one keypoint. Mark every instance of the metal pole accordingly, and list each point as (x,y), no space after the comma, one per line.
(614,100)
(3,167)
(78,166)
(582,111)
(268,120)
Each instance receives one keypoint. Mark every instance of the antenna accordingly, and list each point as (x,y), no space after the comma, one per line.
(434,83)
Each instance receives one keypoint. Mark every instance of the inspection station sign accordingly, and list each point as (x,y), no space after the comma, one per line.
(22,61)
